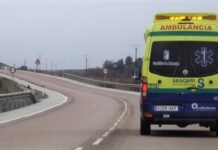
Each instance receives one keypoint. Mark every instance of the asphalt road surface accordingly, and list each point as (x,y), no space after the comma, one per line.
(95,119)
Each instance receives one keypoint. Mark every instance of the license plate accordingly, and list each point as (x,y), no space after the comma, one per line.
(166,108)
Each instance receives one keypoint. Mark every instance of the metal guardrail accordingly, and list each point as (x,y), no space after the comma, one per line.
(107,84)
(13,101)
(100,83)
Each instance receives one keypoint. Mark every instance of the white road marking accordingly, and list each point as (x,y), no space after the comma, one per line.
(79,148)
(105,134)
(38,112)
(111,128)
(23,115)
(98,141)
(115,124)
(119,120)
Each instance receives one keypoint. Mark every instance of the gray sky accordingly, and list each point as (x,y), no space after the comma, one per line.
(62,31)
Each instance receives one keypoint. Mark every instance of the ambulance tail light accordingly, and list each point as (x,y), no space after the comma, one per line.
(144,89)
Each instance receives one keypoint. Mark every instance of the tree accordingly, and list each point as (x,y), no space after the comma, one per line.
(128,61)
(120,65)
(37,62)
(108,64)
(23,67)
(139,62)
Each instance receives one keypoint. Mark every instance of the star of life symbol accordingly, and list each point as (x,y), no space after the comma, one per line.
(204,56)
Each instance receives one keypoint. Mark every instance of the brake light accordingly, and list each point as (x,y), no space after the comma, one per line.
(144,91)
(148,115)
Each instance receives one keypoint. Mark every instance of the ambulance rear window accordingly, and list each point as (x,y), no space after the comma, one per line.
(184,58)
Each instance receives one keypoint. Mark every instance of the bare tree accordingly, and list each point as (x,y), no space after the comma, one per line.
(37,62)
(108,64)
(128,61)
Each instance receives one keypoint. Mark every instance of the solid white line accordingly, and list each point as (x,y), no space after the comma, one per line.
(98,141)
(40,111)
(126,107)
(43,110)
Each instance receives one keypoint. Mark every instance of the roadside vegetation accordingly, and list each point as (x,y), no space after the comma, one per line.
(117,71)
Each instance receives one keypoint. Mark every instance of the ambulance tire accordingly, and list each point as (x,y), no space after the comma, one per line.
(145,127)
(212,129)
(216,128)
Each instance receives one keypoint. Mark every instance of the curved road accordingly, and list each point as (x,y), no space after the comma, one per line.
(95,119)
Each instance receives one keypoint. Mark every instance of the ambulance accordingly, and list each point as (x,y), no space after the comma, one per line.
(179,77)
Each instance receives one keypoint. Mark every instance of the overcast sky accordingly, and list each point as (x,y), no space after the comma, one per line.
(63,31)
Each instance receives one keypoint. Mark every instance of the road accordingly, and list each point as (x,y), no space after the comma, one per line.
(95,119)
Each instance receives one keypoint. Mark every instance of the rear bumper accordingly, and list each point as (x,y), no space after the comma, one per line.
(209,120)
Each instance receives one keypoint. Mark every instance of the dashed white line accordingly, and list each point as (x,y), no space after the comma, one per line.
(119,119)
(105,134)
(79,148)
(112,128)
(115,124)
(98,141)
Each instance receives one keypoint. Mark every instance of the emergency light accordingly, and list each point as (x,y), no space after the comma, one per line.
(185,17)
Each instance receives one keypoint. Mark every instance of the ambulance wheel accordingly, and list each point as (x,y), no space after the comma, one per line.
(145,127)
